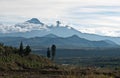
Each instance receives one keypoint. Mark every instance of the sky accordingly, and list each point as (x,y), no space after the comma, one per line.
(88,16)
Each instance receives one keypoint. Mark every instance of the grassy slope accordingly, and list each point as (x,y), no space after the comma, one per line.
(16,62)
(34,66)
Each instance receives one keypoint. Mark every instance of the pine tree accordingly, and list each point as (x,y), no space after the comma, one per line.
(53,50)
(27,50)
(21,50)
(48,53)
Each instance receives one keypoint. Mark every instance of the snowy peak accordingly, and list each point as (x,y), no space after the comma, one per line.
(30,25)
(35,21)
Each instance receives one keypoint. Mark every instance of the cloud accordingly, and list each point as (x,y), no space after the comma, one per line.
(21,27)
(101,30)
(102,20)
(90,16)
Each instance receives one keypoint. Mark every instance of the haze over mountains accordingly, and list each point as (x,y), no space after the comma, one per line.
(37,33)
(72,42)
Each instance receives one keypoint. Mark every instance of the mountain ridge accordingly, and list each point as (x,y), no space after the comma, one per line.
(29,29)
(72,42)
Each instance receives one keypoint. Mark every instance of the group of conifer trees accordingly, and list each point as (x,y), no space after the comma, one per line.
(6,50)
(24,52)
(51,52)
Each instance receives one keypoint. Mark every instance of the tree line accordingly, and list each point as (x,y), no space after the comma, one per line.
(51,53)
(25,50)
(7,50)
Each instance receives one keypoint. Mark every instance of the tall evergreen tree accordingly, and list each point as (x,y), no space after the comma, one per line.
(53,50)
(48,53)
(21,50)
(27,50)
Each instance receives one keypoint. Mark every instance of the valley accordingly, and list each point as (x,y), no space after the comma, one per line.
(86,57)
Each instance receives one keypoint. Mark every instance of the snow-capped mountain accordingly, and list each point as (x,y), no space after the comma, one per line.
(35,28)
(27,26)
(35,21)
(30,25)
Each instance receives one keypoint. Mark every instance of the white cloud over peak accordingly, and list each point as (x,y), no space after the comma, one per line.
(21,27)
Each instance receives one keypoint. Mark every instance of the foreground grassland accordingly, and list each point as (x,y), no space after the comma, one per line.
(13,65)
(16,62)
(71,72)
(34,66)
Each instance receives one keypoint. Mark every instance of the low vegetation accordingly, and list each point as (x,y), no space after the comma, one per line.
(20,63)
(18,59)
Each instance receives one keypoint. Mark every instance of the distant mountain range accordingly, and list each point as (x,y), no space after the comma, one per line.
(36,29)
(72,42)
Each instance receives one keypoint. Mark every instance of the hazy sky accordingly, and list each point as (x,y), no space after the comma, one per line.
(91,16)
